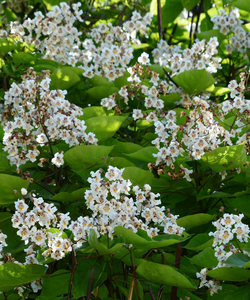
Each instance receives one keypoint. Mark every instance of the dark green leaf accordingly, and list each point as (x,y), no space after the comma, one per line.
(192,221)
(205,258)
(138,176)
(164,274)
(8,184)
(237,260)
(230,274)
(56,284)
(200,242)
(99,92)
(101,248)
(86,156)
(189,4)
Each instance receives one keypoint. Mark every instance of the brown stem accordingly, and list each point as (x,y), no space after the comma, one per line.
(151,293)
(198,18)
(177,265)
(137,288)
(130,295)
(159,18)
(90,284)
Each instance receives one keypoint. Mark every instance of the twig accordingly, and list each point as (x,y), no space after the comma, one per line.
(172,34)
(177,265)
(169,77)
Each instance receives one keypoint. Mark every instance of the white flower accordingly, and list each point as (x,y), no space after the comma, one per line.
(58,159)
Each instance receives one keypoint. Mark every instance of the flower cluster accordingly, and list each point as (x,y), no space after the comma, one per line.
(201,123)
(35,117)
(34,227)
(112,202)
(108,52)
(2,242)
(200,56)
(54,34)
(228,23)
(18,6)
(228,228)
(136,89)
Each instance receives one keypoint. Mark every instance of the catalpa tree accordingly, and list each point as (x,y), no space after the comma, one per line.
(125,141)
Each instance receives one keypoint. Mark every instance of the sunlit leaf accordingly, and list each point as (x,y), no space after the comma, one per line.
(104,127)
(225,158)
(13,275)
(194,81)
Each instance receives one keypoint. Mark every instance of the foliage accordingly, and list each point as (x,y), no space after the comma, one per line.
(124,158)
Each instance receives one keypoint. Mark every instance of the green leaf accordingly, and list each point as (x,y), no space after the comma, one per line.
(123,80)
(182,293)
(170,10)
(192,221)
(199,242)
(97,93)
(157,68)
(121,162)
(86,156)
(99,81)
(44,64)
(189,4)
(70,197)
(144,154)
(101,248)
(164,274)
(121,148)
(241,4)
(207,35)
(225,158)
(241,203)
(169,100)
(15,244)
(50,3)
(205,258)
(230,274)
(10,15)
(138,176)
(147,243)
(242,293)
(22,58)
(93,111)
(219,91)
(82,277)
(8,184)
(194,81)
(56,284)
(13,275)
(237,260)
(104,127)
(7,45)
(63,78)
